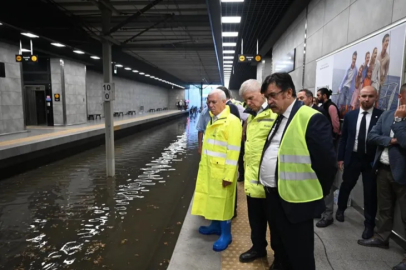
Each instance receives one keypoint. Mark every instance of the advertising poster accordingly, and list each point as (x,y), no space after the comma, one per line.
(377,61)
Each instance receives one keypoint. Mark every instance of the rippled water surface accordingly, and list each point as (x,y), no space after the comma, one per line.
(69,215)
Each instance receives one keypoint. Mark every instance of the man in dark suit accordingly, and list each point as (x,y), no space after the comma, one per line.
(297,169)
(306,96)
(233,108)
(389,135)
(356,157)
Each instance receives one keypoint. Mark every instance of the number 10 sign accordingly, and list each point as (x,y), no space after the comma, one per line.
(109,91)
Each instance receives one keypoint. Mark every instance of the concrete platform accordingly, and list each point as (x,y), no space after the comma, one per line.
(336,246)
(38,142)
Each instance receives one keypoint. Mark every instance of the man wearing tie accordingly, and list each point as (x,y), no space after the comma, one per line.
(297,169)
(356,156)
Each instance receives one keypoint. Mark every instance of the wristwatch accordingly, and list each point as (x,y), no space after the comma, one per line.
(399,119)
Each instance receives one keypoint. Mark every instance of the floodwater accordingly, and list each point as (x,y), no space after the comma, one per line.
(69,215)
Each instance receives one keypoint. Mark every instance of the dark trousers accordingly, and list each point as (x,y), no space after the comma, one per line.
(241,161)
(293,243)
(351,174)
(388,193)
(258,222)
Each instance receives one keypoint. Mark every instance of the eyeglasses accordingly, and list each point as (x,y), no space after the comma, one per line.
(273,95)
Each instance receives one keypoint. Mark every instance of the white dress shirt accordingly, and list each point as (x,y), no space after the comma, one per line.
(385,154)
(368,119)
(269,162)
(217,117)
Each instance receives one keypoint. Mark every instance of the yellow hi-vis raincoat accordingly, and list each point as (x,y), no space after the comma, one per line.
(258,128)
(219,161)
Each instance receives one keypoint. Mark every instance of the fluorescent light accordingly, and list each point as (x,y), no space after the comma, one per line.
(127,68)
(228,57)
(135,71)
(78,52)
(228,62)
(228,52)
(231,19)
(147,75)
(95,57)
(25,50)
(57,44)
(232,1)
(228,66)
(118,65)
(30,35)
(153,77)
(230,34)
(142,73)
(1,23)
(229,44)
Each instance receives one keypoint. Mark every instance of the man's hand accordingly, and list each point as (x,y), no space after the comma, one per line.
(199,149)
(226,183)
(341,165)
(401,111)
(394,141)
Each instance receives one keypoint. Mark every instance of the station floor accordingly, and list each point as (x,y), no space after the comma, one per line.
(39,133)
(336,246)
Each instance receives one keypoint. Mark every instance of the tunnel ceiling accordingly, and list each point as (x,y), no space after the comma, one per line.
(259,18)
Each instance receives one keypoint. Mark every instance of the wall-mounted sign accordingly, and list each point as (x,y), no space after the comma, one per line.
(109,91)
(29,58)
(57,97)
(48,98)
(246,58)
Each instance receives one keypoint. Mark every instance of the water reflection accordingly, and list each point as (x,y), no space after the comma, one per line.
(56,214)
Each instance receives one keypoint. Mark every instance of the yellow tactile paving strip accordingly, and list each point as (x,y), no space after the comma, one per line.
(242,240)
(117,126)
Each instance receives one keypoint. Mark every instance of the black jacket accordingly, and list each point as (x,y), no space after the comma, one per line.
(324,163)
(233,109)
(349,132)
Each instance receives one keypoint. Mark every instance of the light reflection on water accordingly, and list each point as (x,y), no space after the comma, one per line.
(69,205)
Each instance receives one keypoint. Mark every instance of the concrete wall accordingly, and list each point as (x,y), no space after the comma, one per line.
(130,95)
(75,92)
(56,84)
(11,97)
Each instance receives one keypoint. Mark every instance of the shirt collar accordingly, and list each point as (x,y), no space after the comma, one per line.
(263,107)
(216,117)
(369,111)
(286,114)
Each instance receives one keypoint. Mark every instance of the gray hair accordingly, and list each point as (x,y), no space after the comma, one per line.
(250,85)
(220,93)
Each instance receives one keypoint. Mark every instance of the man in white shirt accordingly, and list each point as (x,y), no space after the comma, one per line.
(297,169)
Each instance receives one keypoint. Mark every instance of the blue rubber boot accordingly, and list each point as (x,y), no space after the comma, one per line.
(225,237)
(213,228)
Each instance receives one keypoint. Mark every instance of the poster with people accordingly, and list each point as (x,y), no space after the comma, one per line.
(377,61)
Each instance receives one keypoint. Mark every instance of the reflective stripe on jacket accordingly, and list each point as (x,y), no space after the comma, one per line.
(297,181)
(257,132)
(219,161)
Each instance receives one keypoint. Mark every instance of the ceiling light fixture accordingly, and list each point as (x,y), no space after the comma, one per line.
(230,34)
(147,75)
(127,68)
(229,44)
(228,62)
(30,35)
(135,71)
(142,73)
(231,19)
(118,65)
(95,57)
(228,52)
(232,1)
(228,57)
(78,52)
(228,66)
(58,45)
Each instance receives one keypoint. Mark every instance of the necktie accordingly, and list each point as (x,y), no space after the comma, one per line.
(275,127)
(362,134)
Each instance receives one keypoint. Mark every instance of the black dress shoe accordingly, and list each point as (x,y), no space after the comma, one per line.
(400,266)
(251,255)
(276,266)
(373,242)
(324,222)
(340,215)
(368,233)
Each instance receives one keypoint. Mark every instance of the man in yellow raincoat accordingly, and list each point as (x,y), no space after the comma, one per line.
(214,196)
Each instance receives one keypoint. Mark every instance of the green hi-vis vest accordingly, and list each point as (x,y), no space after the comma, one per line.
(257,132)
(297,182)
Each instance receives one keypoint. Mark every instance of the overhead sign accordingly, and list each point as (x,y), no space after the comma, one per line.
(248,58)
(28,58)
(109,91)
(57,97)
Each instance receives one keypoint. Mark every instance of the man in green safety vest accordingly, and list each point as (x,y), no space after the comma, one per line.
(259,123)
(297,169)
(214,196)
